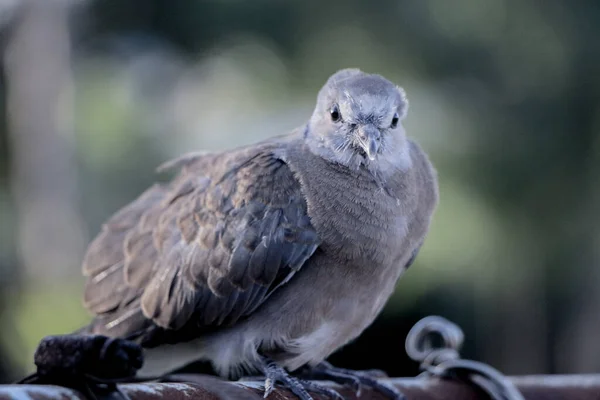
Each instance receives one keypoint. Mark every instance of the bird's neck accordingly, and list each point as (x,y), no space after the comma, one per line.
(394,158)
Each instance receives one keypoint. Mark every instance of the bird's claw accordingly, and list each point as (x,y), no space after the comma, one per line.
(274,373)
(376,373)
(268,387)
(357,379)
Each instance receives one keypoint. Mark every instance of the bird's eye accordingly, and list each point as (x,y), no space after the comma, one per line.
(335,113)
(395,120)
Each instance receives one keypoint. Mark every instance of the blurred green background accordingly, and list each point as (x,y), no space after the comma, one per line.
(505,98)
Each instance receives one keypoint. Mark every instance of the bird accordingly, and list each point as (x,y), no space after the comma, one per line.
(270,257)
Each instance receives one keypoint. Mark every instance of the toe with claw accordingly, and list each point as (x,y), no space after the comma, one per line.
(274,373)
(356,379)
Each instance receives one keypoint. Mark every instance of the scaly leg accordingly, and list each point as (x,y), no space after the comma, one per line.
(274,373)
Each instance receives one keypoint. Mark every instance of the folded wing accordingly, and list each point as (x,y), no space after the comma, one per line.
(206,249)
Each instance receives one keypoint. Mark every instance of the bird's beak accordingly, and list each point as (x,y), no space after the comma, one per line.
(369,139)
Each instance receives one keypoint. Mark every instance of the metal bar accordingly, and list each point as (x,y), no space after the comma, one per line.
(201,387)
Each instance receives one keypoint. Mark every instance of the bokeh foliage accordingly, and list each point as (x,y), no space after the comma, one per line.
(505,97)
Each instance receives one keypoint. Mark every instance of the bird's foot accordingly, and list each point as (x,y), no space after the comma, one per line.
(274,373)
(356,379)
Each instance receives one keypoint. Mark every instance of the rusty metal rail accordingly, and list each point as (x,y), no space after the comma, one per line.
(202,387)
(445,376)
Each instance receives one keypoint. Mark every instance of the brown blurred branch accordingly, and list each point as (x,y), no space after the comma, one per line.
(206,387)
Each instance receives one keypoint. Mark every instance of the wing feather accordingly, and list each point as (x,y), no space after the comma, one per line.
(206,249)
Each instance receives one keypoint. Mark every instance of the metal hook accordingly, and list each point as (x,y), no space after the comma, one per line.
(445,362)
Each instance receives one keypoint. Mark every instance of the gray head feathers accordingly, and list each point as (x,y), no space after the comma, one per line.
(358,121)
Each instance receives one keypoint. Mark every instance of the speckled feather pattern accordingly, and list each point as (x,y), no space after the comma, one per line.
(213,240)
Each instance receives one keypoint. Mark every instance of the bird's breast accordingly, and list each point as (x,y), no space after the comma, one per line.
(356,216)
(366,224)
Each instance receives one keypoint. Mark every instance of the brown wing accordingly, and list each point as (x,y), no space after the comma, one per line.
(213,244)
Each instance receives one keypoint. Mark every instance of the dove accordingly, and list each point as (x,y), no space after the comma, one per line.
(269,257)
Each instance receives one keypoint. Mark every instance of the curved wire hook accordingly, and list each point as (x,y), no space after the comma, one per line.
(444,361)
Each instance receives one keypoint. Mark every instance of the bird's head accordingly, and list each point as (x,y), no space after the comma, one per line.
(358,120)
